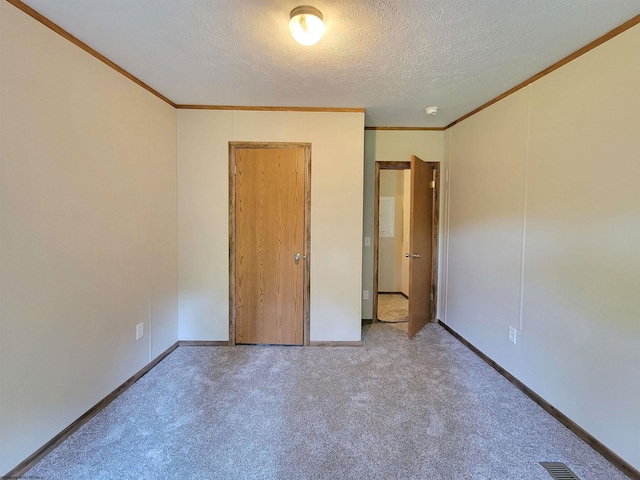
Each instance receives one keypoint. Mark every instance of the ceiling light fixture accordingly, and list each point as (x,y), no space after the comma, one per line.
(431,110)
(306,25)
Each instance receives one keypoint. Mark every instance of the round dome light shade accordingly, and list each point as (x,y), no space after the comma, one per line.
(306,25)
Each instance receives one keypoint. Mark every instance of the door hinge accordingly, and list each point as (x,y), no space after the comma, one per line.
(433,184)
(235,169)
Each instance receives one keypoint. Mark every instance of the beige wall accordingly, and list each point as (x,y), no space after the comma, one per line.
(545,236)
(393,146)
(390,250)
(336,215)
(87,231)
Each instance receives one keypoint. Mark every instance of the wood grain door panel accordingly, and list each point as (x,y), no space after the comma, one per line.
(269,232)
(420,241)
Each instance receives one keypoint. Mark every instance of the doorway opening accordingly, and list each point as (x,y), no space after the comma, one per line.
(393,240)
(406,244)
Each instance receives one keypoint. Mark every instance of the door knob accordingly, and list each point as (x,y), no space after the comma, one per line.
(297,257)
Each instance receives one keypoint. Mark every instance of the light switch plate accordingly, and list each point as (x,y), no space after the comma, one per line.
(513,335)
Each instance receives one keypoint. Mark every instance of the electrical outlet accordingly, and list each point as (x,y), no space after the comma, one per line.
(365,294)
(367,241)
(513,335)
(139,331)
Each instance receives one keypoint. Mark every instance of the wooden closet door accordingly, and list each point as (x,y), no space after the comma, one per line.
(270,245)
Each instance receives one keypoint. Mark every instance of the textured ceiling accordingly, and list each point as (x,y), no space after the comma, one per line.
(393,58)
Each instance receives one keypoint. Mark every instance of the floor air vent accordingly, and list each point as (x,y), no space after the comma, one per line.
(559,471)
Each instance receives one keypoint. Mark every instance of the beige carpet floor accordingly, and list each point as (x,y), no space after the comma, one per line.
(395,408)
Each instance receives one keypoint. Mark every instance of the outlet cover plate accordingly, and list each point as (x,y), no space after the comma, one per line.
(139,331)
(513,335)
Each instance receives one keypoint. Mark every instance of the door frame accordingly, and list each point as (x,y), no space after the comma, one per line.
(233,147)
(388,165)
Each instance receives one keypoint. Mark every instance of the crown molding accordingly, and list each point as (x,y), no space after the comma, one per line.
(79,43)
(270,109)
(578,53)
(426,129)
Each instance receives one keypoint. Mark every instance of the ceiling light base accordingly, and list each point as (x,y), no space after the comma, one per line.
(306,25)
